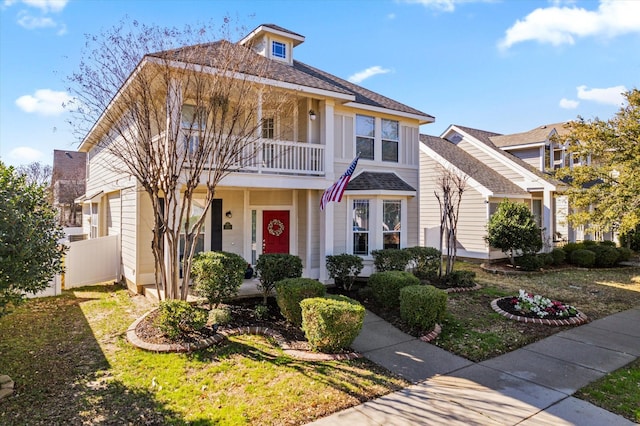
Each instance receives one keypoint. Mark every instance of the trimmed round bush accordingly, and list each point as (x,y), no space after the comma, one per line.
(386,286)
(583,258)
(331,324)
(178,317)
(529,262)
(218,275)
(290,292)
(344,269)
(460,278)
(422,306)
(607,243)
(273,267)
(424,261)
(559,256)
(624,253)
(606,256)
(571,247)
(390,259)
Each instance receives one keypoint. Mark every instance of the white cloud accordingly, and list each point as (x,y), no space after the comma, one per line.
(568,103)
(610,95)
(44,102)
(25,154)
(31,22)
(562,25)
(369,72)
(44,5)
(444,5)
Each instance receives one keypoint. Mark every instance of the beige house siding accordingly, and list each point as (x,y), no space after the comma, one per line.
(531,156)
(113,211)
(233,239)
(144,237)
(490,161)
(128,237)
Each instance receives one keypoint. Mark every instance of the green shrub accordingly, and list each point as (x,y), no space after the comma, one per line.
(424,261)
(606,256)
(546,258)
(607,243)
(624,253)
(217,275)
(273,267)
(261,312)
(344,269)
(178,317)
(583,258)
(460,278)
(291,291)
(422,306)
(571,247)
(386,286)
(559,256)
(331,324)
(631,239)
(390,259)
(589,243)
(219,316)
(529,262)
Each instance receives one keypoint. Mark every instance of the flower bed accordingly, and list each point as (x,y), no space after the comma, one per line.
(527,307)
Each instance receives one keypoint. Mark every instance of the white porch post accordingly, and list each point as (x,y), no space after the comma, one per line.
(548,216)
(327,216)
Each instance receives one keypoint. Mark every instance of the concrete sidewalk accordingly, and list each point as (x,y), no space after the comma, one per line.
(530,386)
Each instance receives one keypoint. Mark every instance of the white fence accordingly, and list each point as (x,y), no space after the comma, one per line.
(54,289)
(92,261)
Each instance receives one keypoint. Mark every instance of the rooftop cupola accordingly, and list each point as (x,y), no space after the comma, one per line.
(273,42)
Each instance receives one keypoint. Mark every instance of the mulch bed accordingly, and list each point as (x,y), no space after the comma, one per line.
(242,315)
(505,308)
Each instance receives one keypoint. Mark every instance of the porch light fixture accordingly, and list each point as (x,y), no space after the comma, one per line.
(312,115)
(228,214)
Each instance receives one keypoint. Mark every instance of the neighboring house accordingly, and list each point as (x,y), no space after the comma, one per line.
(515,167)
(274,206)
(68,183)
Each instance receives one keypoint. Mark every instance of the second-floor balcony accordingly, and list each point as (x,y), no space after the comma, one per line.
(284,157)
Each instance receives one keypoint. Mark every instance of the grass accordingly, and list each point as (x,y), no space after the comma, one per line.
(72,365)
(618,392)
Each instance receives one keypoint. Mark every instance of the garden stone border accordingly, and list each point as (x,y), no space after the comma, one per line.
(223,334)
(437,329)
(579,319)
(6,386)
(462,289)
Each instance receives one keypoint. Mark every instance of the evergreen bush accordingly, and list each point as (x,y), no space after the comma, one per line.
(218,275)
(386,286)
(460,278)
(331,324)
(291,291)
(559,256)
(178,317)
(624,253)
(390,259)
(583,258)
(422,306)
(273,267)
(424,261)
(344,269)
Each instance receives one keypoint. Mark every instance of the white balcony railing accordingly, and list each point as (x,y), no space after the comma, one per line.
(285,157)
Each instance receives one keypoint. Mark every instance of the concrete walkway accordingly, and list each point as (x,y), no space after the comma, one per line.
(530,386)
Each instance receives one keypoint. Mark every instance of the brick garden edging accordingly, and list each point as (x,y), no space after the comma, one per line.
(6,386)
(580,318)
(462,289)
(222,335)
(432,335)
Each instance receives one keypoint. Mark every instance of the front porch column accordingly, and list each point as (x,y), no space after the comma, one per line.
(548,217)
(326,238)
(326,136)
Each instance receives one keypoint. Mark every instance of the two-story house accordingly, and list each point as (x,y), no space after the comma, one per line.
(273,204)
(517,167)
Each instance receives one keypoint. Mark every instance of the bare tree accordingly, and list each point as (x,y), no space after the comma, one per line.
(178,120)
(451,186)
(36,172)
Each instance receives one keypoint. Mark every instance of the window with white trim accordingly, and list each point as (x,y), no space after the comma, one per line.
(365,136)
(391,223)
(278,50)
(94,218)
(191,123)
(361,227)
(390,140)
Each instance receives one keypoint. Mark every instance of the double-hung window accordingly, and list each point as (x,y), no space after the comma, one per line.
(390,140)
(268,128)
(365,136)
(192,124)
(361,227)
(391,223)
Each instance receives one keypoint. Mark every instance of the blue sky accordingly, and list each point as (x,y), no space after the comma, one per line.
(504,66)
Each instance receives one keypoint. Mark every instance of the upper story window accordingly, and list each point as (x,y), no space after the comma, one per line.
(190,119)
(268,128)
(390,140)
(278,50)
(365,136)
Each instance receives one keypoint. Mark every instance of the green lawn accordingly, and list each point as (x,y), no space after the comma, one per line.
(71,363)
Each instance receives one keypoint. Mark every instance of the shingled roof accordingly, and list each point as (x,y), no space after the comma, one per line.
(533,136)
(485,137)
(298,74)
(378,181)
(471,166)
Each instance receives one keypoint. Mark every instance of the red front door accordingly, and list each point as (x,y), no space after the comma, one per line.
(275,231)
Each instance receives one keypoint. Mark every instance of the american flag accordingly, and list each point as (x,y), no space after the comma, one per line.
(335,191)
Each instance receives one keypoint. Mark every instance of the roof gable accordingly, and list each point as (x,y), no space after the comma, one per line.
(378,181)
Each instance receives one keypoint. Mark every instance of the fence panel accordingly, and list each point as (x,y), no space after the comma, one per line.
(92,261)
